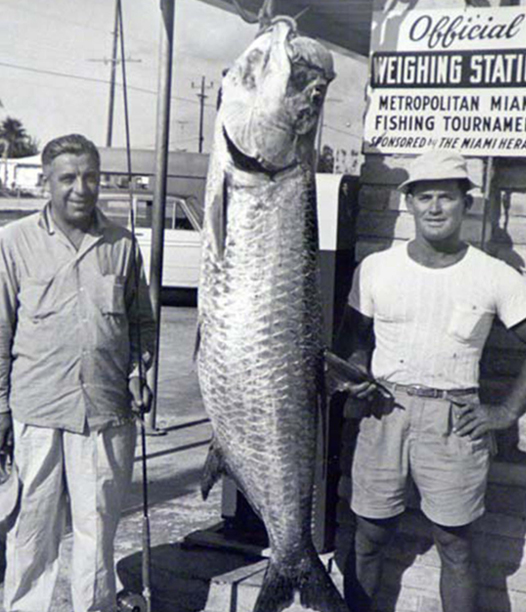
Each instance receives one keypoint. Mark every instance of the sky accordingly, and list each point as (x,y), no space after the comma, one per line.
(55,71)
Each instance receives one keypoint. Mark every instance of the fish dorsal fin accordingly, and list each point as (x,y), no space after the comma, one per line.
(219,218)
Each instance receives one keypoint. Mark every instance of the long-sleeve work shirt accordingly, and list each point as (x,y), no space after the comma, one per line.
(69,323)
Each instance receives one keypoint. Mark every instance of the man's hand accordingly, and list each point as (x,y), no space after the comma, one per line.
(474,420)
(6,432)
(141,395)
(365,390)
(349,376)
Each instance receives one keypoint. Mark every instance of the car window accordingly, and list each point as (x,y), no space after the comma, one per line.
(143,213)
(194,211)
(182,222)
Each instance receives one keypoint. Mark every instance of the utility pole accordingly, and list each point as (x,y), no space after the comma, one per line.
(202,97)
(113,61)
(111,102)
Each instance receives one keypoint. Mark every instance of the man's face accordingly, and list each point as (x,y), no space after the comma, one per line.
(74,185)
(438,208)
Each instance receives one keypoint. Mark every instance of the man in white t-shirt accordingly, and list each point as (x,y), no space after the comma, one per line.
(417,318)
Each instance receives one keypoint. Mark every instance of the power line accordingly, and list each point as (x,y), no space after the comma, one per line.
(93,80)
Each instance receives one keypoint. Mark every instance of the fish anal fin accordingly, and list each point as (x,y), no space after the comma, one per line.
(214,468)
(309,578)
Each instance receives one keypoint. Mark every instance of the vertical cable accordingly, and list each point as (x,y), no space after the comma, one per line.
(146,520)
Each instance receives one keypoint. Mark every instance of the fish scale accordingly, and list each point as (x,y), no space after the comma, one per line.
(269,341)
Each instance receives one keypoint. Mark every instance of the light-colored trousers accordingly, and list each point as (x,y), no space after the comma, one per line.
(89,472)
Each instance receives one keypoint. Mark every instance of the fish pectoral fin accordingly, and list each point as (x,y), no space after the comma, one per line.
(218,219)
(214,468)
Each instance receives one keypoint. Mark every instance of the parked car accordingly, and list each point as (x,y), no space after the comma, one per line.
(182,233)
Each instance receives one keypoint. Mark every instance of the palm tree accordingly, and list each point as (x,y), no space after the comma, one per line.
(15,140)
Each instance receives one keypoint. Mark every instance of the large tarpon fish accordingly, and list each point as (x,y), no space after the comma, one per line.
(260,348)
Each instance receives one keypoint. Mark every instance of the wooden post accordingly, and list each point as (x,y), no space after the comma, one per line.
(486,216)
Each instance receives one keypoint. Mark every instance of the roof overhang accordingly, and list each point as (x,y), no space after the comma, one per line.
(344,23)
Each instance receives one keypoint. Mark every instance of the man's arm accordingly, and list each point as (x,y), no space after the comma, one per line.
(355,343)
(476,420)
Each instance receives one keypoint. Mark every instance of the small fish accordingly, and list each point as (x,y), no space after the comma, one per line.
(260,353)
(342,372)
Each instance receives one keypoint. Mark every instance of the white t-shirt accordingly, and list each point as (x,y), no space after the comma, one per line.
(431,324)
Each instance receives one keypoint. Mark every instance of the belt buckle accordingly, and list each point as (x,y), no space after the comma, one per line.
(425,392)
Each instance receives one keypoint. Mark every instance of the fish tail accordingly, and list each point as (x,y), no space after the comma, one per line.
(317,590)
(277,591)
(310,579)
(214,468)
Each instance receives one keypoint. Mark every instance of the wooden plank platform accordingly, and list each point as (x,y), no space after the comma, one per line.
(237,591)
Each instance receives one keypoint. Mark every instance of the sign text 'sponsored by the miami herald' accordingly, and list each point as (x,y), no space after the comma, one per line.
(448,79)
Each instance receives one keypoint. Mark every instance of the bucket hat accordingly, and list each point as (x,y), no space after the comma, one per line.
(437,165)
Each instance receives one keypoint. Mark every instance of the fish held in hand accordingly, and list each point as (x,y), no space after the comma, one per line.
(260,355)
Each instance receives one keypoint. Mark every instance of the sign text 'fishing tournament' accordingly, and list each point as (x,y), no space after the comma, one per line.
(448,79)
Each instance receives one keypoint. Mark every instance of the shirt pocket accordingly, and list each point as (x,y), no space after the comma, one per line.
(37,298)
(469,323)
(111,295)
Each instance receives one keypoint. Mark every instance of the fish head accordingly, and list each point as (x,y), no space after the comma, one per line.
(311,73)
(273,95)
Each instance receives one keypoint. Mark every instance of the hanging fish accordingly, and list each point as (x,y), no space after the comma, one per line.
(260,356)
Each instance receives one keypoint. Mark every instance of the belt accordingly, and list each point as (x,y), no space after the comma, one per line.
(419,391)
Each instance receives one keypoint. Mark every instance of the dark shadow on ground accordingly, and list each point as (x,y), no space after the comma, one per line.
(176,449)
(186,425)
(180,575)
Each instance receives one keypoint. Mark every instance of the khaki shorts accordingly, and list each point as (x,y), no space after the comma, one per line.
(414,436)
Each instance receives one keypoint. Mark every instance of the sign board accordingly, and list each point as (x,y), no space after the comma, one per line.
(448,79)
